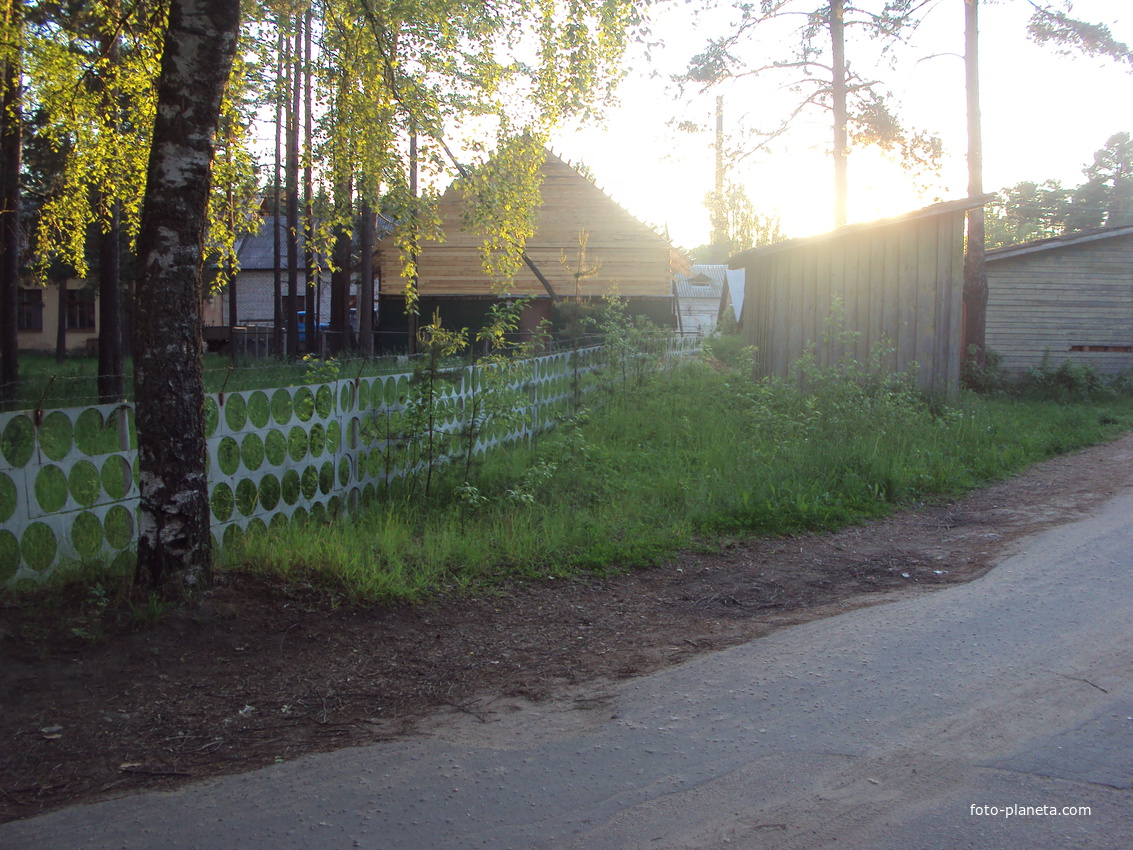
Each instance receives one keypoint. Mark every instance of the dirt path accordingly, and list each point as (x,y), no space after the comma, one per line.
(258,673)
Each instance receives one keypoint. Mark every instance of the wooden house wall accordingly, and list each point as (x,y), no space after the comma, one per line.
(633,258)
(899,285)
(1056,300)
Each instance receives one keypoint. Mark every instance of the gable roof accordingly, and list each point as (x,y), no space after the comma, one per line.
(631,256)
(705,281)
(1065,241)
(256,251)
(960,205)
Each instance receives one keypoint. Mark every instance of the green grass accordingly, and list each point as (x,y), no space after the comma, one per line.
(693,455)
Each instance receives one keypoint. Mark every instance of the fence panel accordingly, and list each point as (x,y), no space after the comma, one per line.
(68,477)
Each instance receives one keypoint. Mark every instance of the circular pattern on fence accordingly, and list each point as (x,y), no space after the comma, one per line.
(304,404)
(305,452)
(228,455)
(212,416)
(18,441)
(235,412)
(51,489)
(324,401)
(297,444)
(85,483)
(252,451)
(221,501)
(281,407)
(55,435)
(9,554)
(269,492)
(318,513)
(289,487)
(116,477)
(275,447)
(86,535)
(259,409)
(119,526)
(38,546)
(318,439)
(8,497)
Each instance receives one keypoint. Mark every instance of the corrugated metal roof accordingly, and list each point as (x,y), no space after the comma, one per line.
(705,282)
(1063,241)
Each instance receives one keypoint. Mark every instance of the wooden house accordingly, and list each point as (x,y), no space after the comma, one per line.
(890,289)
(631,259)
(697,298)
(1068,297)
(255,290)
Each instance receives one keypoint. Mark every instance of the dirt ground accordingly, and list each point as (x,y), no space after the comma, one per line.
(257,672)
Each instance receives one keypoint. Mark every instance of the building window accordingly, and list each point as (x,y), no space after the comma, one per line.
(30,311)
(80,309)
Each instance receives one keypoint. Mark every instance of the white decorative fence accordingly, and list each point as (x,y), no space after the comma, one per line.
(68,478)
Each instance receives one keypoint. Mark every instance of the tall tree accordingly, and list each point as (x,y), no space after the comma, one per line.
(1048,25)
(11,134)
(1025,212)
(818,69)
(111,356)
(174,543)
(1029,211)
(975,268)
(1106,198)
(90,70)
(291,169)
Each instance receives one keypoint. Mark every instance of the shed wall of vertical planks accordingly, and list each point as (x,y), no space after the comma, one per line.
(888,292)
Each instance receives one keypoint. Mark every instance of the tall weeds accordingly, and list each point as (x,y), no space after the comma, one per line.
(676,459)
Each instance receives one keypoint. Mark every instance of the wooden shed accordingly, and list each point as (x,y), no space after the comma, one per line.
(632,259)
(891,286)
(1068,296)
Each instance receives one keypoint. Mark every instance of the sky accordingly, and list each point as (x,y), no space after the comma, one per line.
(1044,115)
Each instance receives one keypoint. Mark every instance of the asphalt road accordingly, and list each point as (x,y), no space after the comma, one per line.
(886,727)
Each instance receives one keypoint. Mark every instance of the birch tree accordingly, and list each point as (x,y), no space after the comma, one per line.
(174,541)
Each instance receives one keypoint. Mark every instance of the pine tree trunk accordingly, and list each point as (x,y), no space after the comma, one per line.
(340,279)
(111,357)
(61,322)
(292,167)
(10,140)
(310,274)
(277,194)
(975,268)
(174,540)
(366,281)
(841,119)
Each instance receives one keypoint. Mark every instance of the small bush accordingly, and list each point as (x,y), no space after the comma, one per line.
(988,378)
(1062,383)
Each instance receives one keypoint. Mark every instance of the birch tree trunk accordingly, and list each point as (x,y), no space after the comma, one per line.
(174,542)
